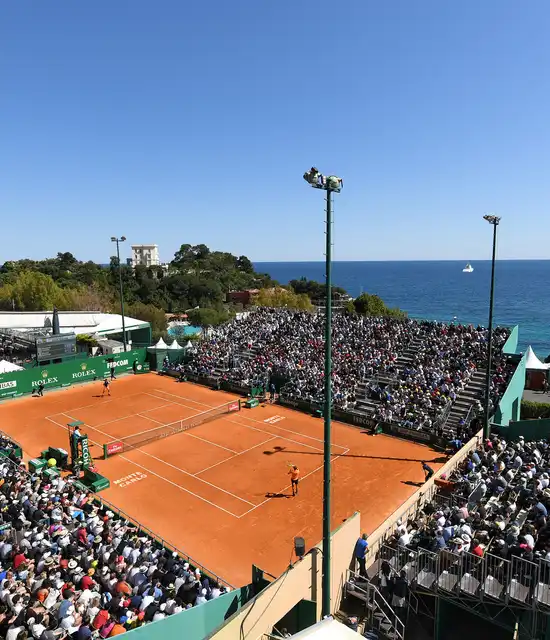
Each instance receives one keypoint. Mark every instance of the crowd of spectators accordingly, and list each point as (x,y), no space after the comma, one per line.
(289,345)
(497,502)
(70,568)
(442,364)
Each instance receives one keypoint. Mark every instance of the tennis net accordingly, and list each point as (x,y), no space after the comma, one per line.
(163,431)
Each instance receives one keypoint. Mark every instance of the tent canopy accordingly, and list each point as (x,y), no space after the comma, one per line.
(161,345)
(328,629)
(175,346)
(6,367)
(533,363)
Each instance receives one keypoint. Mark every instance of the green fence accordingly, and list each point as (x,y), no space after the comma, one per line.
(529,429)
(509,407)
(17,383)
(196,623)
(511,345)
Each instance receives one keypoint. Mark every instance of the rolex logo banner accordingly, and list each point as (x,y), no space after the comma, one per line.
(68,373)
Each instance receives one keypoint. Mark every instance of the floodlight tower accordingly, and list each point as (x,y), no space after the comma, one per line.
(330,184)
(494,220)
(118,241)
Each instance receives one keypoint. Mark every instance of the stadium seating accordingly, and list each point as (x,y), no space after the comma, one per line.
(70,566)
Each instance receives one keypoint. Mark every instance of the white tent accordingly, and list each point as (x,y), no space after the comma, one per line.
(533,363)
(174,346)
(328,629)
(6,367)
(161,344)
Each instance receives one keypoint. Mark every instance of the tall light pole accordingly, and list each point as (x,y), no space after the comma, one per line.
(494,220)
(330,184)
(118,241)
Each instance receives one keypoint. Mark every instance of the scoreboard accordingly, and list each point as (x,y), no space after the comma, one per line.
(55,347)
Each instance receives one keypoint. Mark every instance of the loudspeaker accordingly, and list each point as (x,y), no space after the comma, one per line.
(300,547)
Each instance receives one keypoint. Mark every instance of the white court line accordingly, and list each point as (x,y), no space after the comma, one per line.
(183,488)
(287,486)
(245,417)
(238,454)
(96,404)
(184,433)
(61,426)
(174,467)
(247,426)
(132,415)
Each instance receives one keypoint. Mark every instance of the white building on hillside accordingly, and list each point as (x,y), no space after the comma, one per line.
(146,255)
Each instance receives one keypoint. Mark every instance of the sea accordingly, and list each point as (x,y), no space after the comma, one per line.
(441,291)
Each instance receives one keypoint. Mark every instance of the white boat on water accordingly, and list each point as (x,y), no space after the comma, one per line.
(468,268)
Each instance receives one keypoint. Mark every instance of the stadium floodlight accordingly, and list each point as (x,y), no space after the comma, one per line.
(330,184)
(494,220)
(319,181)
(118,241)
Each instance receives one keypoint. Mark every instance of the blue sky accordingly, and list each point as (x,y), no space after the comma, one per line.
(174,122)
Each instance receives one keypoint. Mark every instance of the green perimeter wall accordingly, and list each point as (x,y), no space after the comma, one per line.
(196,623)
(529,429)
(509,408)
(511,345)
(17,383)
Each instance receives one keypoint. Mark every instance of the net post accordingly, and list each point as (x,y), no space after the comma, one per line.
(105,454)
(240,402)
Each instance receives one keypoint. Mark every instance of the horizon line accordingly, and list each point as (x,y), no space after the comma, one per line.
(401,260)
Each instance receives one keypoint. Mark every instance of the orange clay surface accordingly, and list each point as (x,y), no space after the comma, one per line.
(221,492)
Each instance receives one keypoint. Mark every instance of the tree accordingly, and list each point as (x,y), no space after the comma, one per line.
(207,317)
(148,313)
(244,264)
(35,291)
(368,304)
(280,297)
(315,290)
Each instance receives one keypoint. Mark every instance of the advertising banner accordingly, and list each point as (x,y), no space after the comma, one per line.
(67,373)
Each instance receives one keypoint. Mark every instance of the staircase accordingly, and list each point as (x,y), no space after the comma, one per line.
(475,390)
(367,406)
(363,599)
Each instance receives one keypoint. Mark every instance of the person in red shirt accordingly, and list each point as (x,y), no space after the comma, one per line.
(18,559)
(101,619)
(87,581)
(476,548)
(83,536)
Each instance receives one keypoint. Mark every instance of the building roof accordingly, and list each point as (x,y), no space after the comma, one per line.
(90,322)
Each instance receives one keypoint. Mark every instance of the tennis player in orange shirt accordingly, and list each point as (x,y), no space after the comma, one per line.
(294,474)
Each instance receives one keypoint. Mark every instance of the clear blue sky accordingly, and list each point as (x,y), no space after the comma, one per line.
(174,121)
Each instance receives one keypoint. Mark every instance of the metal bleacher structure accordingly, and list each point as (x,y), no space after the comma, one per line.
(512,594)
(451,416)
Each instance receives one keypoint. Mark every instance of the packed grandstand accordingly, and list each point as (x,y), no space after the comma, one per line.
(71,567)
(368,361)
(494,506)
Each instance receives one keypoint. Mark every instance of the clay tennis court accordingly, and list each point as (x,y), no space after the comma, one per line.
(220,491)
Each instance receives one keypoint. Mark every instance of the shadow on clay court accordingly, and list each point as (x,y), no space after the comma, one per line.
(278,495)
(410,483)
(352,455)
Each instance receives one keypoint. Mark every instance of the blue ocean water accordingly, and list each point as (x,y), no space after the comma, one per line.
(440,291)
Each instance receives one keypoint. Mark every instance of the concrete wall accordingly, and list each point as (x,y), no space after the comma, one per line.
(511,345)
(303,581)
(509,408)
